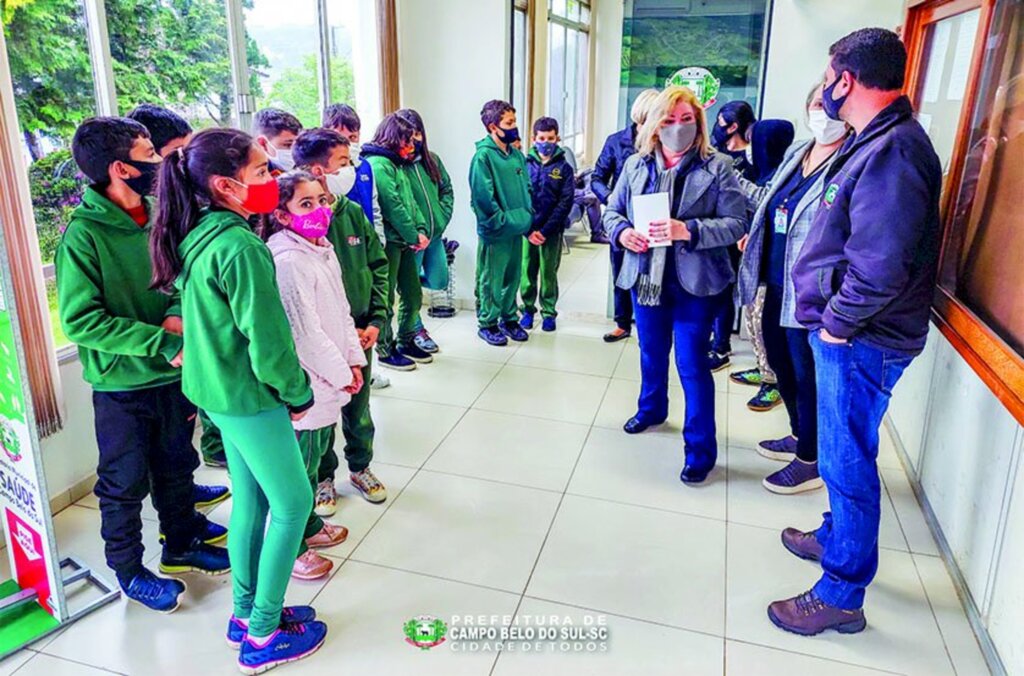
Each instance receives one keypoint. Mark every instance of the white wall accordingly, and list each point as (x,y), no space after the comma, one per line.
(70,455)
(606,32)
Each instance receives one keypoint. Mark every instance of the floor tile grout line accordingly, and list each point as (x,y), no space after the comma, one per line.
(70,661)
(935,617)
(432,576)
(812,656)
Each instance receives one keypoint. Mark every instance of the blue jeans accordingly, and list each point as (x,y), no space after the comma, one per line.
(684,319)
(855,383)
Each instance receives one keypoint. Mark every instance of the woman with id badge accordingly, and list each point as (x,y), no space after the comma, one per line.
(781,223)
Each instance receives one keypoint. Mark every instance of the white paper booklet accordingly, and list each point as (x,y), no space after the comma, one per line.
(647,208)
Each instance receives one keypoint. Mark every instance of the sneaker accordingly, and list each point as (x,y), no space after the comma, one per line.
(311,566)
(369,486)
(808,615)
(208,496)
(211,533)
(767,398)
(549,324)
(796,477)
(803,545)
(526,321)
(156,593)
(237,629)
(423,341)
(747,377)
(615,335)
(328,536)
(718,360)
(218,460)
(492,336)
(379,381)
(290,643)
(411,351)
(199,558)
(778,449)
(326,503)
(515,332)
(397,361)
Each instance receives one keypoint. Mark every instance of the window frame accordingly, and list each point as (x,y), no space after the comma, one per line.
(999,366)
(586,29)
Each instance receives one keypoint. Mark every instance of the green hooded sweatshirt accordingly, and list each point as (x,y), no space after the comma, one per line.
(435,200)
(403,222)
(106,305)
(364,266)
(500,192)
(239,353)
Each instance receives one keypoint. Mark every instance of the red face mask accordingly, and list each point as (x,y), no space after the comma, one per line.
(260,198)
(406,152)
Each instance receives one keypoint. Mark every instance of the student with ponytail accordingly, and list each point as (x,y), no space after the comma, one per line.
(243,371)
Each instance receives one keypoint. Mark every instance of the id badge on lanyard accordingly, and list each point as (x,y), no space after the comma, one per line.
(781,220)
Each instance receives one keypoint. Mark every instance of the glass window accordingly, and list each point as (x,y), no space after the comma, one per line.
(556,72)
(288,77)
(569,70)
(352,45)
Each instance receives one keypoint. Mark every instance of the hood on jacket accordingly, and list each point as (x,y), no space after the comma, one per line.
(769,141)
(212,223)
(488,143)
(97,208)
(371,150)
(284,241)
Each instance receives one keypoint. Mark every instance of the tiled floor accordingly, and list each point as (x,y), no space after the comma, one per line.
(515,492)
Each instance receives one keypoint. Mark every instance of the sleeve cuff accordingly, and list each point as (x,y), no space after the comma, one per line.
(171,346)
(616,234)
(835,326)
(302,407)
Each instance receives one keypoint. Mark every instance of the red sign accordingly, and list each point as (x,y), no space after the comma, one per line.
(29,557)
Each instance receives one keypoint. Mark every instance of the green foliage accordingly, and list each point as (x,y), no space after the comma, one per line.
(296,89)
(56,186)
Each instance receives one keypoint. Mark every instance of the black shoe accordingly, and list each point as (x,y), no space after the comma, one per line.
(635,425)
(515,332)
(198,558)
(718,360)
(414,352)
(616,335)
(492,336)
(692,475)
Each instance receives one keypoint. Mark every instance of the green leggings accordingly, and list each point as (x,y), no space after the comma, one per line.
(541,261)
(403,277)
(314,445)
(267,475)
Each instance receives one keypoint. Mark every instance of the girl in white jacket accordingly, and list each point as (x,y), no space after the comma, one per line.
(309,278)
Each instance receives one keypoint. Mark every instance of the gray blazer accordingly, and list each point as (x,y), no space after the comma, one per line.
(714,207)
(799,228)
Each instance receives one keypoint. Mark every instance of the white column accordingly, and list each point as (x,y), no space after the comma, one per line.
(99,57)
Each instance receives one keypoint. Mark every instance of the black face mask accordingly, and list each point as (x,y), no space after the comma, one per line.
(143,183)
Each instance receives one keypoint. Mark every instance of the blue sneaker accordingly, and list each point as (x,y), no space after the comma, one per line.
(211,533)
(156,593)
(397,361)
(290,643)
(289,614)
(515,332)
(199,558)
(526,321)
(548,324)
(492,336)
(423,341)
(208,496)
(218,460)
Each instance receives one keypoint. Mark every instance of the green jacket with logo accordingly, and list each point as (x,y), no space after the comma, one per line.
(435,200)
(403,220)
(500,192)
(106,305)
(364,266)
(239,353)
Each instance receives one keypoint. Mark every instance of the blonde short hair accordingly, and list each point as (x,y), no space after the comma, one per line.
(638,113)
(647,139)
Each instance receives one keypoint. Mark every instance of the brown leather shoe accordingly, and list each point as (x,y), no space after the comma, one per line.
(802,545)
(808,615)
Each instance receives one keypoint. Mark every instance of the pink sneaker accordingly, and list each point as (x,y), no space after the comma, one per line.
(311,566)
(328,536)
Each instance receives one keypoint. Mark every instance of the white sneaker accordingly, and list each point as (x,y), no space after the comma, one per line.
(378,381)
(326,503)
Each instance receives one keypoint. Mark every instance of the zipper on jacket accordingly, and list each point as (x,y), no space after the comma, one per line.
(427,198)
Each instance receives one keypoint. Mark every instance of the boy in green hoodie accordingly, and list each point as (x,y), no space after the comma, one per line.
(130,344)
(500,197)
(364,271)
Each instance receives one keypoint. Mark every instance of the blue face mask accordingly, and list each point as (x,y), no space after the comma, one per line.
(546,148)
(508,136)
(833,106)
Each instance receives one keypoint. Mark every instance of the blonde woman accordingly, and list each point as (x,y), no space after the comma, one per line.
(676,288)
(617,149)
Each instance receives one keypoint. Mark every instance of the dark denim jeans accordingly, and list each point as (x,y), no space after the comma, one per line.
(623,297)
(855,384)
(685,320)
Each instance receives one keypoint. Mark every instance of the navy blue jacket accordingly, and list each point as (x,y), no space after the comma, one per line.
(617,149)
(552,188)
(362,192)
(867,270)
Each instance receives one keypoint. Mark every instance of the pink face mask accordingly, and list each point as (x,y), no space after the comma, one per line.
(313,225)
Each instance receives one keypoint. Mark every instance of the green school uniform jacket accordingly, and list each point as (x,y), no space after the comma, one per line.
(239,353)
(364,265)
(106,305)
(435,200)
(403,220)
(500,192)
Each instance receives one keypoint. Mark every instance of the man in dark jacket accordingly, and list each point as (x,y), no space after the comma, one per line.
(617,149)
(553,188)
(864,283)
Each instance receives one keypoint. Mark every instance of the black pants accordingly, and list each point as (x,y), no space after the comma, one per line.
(145,440)
(622,297)
(789,355)
(723,322)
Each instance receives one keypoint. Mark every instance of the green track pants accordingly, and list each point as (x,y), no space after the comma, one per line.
(267,477)
(498,269)
(314,445)
(357,428)
(403,278)
(541,261)
(210,444)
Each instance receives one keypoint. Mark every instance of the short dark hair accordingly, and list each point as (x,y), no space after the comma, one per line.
(273,121)
(545,124)
(164,125)
(875,57)
(493,111)
(339,115)
(101,141)
(314,146)
(739,113)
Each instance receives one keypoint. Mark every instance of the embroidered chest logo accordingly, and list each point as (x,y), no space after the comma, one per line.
(354,240)
(830,194)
